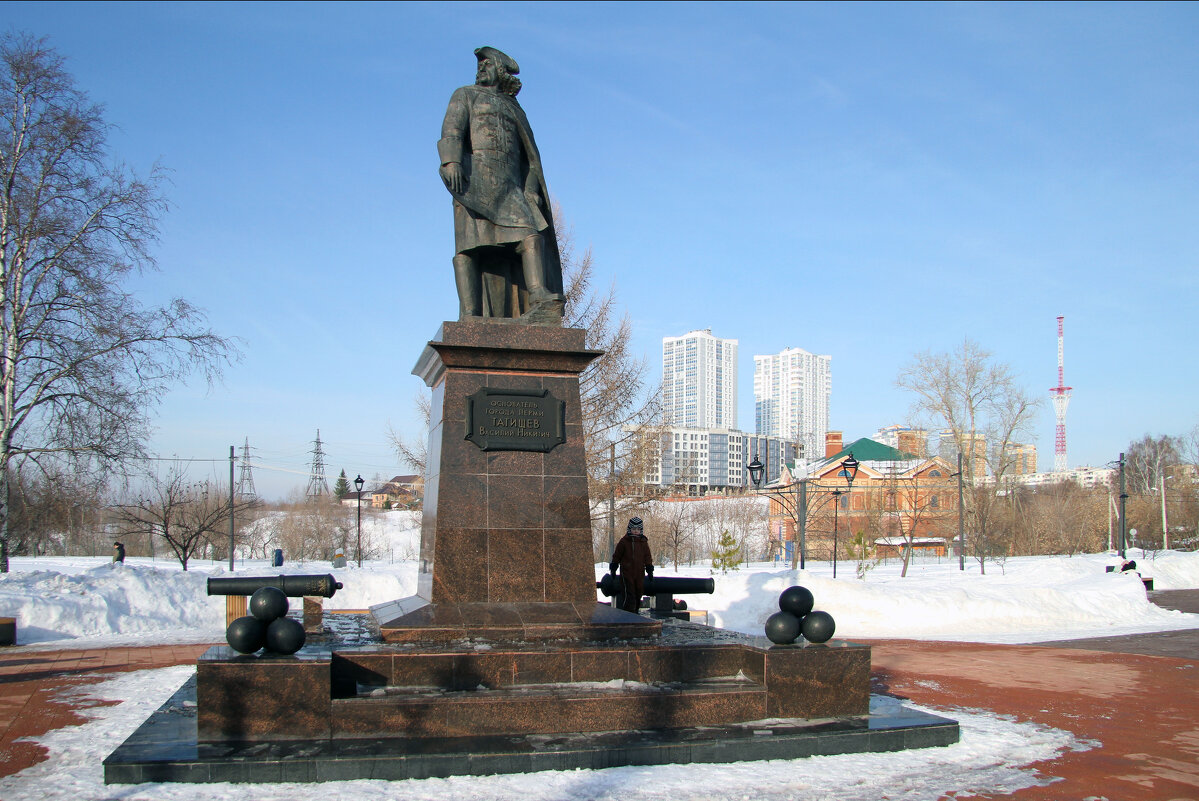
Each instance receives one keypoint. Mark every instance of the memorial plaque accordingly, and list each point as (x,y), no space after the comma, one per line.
(515,420)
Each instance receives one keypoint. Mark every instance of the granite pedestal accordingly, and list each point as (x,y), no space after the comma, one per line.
(505,660)
(506,532)
(347,708)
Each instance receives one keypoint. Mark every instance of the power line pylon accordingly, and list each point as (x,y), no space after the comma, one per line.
(245,476)
(318,484)
(1061,399)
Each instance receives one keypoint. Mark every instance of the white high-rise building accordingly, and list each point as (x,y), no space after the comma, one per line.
(791,398)
(699,381)
(697,461)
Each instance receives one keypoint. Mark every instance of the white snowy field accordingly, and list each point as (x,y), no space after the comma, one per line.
(81,601)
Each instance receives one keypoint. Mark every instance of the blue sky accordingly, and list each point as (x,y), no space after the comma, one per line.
(866,181)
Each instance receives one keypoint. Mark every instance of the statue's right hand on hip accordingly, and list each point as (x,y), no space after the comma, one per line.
(454,178)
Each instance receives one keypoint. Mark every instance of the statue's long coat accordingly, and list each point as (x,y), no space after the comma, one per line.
(487,132)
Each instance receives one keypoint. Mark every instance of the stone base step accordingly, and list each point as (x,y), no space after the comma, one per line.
(548,709)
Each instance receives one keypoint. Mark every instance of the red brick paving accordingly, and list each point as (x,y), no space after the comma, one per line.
(30,682)
(1143,710)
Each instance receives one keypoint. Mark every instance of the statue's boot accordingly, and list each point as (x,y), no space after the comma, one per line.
(469,281)
(532,262)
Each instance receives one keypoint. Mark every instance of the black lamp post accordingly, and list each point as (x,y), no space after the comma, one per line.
(836,508)
(358,482)
(961,518)
(849,469)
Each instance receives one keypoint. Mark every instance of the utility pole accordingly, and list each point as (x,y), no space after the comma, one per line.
(231,488)
(1123,503)
(612,499)
(961,520)
(1165,521)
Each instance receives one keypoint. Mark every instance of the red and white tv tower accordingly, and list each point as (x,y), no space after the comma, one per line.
(1061,399)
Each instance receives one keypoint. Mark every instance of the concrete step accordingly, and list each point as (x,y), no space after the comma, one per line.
(547,708)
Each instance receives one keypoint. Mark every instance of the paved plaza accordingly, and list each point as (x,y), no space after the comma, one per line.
(1137,696)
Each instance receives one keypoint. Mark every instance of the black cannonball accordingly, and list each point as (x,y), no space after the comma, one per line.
(268,603)
(796,600)
(284,636)
(246,634)
(782,628)
(817,627)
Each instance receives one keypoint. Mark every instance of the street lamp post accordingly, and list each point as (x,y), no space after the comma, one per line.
(849,469)
(961,519)
(358,482)
(836,508)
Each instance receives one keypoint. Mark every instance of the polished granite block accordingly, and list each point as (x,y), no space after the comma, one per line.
(456,666)
(818,680)
(509,622)
(263,697)
(546,711)
(165,748)
(314,609)
(501,348)
(564,499)
(514,502)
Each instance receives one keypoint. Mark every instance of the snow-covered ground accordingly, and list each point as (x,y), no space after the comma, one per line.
(88,602)
(83,601)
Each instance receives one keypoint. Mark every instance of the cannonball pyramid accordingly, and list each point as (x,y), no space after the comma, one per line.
(267,626)
(795,618)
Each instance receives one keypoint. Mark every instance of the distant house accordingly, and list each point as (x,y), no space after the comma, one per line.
(892,547)
(402,492)
(351,498)
(896,495)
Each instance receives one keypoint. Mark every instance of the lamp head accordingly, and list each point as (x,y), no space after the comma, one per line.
(358,482)
(849,469)
(755,472)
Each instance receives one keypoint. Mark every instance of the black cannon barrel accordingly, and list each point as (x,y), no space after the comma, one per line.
(679,585)
(293,586)
(609,585)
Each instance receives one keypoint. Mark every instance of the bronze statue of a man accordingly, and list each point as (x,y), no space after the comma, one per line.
(507,262)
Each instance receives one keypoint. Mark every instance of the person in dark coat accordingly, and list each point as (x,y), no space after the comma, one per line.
(633,557)
(118,552)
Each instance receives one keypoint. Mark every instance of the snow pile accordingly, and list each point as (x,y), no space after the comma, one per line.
(109,599)
(994,758)
(1170,570)
(1027,599)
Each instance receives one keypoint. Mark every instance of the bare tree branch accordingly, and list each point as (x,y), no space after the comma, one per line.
(81,361)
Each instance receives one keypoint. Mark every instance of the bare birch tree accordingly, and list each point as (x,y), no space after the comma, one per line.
(980,404)
(187,515)
(81,360)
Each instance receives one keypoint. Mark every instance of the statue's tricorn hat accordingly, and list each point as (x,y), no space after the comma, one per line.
(500,56)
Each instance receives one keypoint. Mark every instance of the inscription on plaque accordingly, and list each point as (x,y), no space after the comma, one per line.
(515,420)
